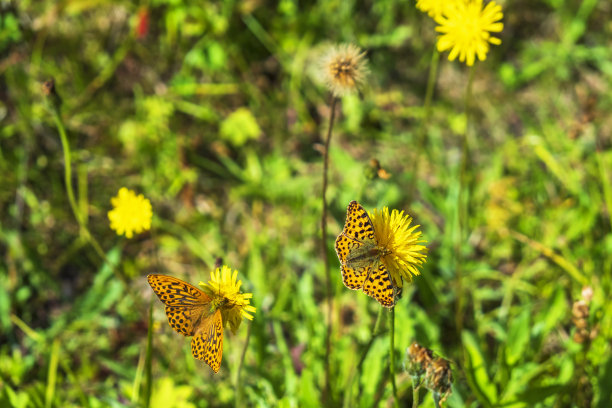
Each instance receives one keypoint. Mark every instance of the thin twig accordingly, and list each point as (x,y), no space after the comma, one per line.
(424,125)
(392,355)
(327,390)
(462,208)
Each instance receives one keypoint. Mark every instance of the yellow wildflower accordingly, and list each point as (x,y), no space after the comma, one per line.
(465,29)
(131,213)
(400,246)
(224,290)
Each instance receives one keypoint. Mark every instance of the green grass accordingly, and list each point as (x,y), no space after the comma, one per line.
(215,117)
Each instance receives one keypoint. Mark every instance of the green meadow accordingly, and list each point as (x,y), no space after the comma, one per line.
(218,113)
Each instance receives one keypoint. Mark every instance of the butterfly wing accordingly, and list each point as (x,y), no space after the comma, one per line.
(351,279)
(185,304)
(358,225)
(357,236)
(207,344)
(380,286)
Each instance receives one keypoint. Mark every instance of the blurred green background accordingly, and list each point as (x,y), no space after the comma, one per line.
(209,109)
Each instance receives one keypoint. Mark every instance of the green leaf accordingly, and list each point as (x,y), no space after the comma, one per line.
(552,315)
(605,385)
(536,395)
(518,337)
(476,371)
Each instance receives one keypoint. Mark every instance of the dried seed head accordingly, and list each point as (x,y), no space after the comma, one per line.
(580,316)
(418,359)
(343,68)
(439,378)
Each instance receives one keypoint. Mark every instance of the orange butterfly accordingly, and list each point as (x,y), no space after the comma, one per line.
(192,312)
(361,258)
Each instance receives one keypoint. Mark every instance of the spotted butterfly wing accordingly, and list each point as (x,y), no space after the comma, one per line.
(354,246)
(187,311)
(207,344)
(358,225)
(359,255)
(379,285)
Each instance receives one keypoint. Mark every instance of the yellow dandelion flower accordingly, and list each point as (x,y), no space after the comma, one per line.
(224,290)
(465,30)
(434,8)
(343,68)
(401,251)
(131,213)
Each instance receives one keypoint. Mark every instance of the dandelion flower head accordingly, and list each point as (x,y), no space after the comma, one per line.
(434,8)
(224,290)
(131,213)
(466,29)
(402,252)
(343,68)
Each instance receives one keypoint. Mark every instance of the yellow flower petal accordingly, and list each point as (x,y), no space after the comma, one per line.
(401,243)
(465,29)
(224,290)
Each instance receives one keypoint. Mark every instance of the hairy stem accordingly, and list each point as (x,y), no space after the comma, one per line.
(327,391)
(415,394)
(392,354)
(462,198)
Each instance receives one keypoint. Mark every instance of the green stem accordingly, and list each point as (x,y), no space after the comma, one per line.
(69,187)
(415,394)
(422,131)
(462,204)
(67,166)
(436,399)
(52,374)
(392,354)
(431,82)
(240,365)
(327,390)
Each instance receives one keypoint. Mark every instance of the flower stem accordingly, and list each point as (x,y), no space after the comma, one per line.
(436,399)
(67,165)
(327,390)
(462,208)
(422,132)
(392,354)
(415,394)
(238,377)
(431,82)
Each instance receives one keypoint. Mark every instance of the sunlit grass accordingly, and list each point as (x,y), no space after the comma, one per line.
(211,113)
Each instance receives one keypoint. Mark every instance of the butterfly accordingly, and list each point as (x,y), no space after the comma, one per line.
(361,258)
(192,312)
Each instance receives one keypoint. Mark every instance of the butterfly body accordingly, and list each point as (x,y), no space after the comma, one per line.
(362,256)
(192,312)
(362,259)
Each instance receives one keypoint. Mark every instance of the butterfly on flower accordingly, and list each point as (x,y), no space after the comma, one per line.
(203,313)
(377,253)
